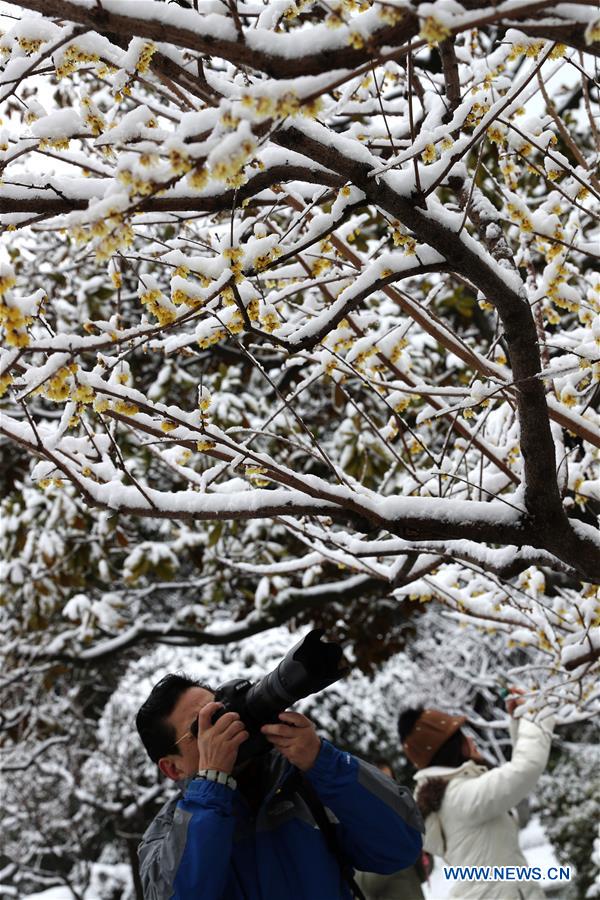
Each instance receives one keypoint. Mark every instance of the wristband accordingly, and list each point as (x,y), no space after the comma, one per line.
(218,776)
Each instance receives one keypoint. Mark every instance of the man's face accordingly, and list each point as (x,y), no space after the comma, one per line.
(185,763)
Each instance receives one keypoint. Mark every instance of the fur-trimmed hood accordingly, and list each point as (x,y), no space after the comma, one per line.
(432,783)
(430,796)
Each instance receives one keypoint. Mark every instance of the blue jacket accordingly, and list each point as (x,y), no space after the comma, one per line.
(207,845)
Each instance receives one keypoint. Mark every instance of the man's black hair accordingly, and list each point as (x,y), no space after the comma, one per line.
(158,735)
(450,754)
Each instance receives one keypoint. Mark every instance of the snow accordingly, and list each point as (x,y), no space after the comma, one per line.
(56,893)
(62,123)
(103,877)
(132,125)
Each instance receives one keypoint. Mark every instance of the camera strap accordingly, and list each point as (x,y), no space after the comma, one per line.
(297,782)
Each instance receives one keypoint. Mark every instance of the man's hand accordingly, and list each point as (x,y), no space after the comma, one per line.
(218,744)
(297,739)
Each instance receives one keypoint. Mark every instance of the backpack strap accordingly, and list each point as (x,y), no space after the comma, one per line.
(297,782)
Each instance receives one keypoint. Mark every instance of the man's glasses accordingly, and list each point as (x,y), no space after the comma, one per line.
(183,737)
(191,733)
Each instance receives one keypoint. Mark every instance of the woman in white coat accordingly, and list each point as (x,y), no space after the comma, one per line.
(468,808)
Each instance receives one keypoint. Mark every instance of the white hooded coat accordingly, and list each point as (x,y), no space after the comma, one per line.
(474,825)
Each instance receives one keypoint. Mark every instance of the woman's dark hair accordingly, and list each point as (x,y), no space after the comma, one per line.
(450,754)
(158,735)
(407,721)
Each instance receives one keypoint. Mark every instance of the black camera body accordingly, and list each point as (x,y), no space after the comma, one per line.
(234,697)
(308,667)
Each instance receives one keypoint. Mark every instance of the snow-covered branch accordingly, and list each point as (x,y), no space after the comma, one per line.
(304,298)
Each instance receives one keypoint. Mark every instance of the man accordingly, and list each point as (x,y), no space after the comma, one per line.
(249,832)
(470,809)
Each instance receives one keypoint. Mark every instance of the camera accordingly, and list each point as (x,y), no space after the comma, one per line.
(310,666)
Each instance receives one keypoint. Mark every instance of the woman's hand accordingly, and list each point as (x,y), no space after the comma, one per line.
(515,700)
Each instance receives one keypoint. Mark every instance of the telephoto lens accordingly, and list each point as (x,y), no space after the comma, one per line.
(310,666)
